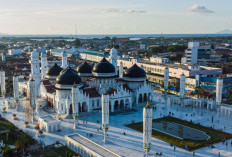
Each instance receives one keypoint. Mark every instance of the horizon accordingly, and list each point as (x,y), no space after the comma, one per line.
(109,17)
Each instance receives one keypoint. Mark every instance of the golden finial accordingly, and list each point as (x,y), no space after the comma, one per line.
(148,105)
(105,92)
(74,85)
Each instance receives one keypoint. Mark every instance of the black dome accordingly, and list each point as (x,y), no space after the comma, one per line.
(68,77)
(104,67)
(54,70)
(135,72)
(84,68)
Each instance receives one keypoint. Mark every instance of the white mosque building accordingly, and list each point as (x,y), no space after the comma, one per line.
(126,88)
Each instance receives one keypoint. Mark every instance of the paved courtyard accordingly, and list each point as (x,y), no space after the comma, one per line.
(130,144)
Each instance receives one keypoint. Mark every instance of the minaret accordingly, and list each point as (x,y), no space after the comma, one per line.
(121,70)
(219,88)
(64,60)
(113,58)
(182,85)
(75,105)
(32,96)
(44,65)
(105,114)
(3,57)
(147,128)
(16,90)
(3,85)
(35,70)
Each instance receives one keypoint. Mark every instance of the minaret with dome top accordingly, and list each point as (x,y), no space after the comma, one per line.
(113,58)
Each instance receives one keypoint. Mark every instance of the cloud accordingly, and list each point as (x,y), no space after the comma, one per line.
(116,10)
(199,9)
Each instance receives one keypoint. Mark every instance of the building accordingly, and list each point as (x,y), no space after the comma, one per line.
(191,54)
(91,82)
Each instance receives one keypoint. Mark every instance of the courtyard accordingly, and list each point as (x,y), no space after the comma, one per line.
(130,144)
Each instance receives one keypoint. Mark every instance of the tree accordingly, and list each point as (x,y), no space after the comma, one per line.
(229,93)
(77,42)
(156,50)
(176,48)
(8,152)
(199,91)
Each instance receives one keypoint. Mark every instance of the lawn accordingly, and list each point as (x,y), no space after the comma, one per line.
(54,152)
(215,135)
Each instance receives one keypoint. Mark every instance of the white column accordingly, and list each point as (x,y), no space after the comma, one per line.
(3,85)
(75,105)
(105,114)
(147,128)
(182,88)
(113,58)
(166,78)
(16,91)
(44,65)
(121,70)
(64,60)
(219,88)
(32,92)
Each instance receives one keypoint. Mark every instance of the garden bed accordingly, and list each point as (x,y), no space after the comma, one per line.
(215,135)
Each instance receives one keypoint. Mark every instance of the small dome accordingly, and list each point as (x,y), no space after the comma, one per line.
(104,67)
(84,68)
(35,55)
(135,72)
(68,77)
(54,70)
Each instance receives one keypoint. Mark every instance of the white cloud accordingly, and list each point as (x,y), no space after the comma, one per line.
(198,9)
(116,10)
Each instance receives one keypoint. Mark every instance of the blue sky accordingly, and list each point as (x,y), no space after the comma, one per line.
(114,16)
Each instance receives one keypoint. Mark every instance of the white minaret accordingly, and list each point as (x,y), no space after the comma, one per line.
(3,85)
(32,96)
(121,70)
(166,78)
(105,114)
(75,105)
(44,65)
(113,58)
(35,71)
(3,57)
(64,60)
(182,86)
(147,128)
(219,88)
(16,90)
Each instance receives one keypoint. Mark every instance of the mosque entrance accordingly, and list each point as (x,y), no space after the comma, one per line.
(116,105)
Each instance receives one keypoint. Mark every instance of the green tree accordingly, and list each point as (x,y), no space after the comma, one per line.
(156,50)
(8,152)
(229,93)
(77,42)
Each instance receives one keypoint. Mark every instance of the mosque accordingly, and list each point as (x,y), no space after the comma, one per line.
(53,86)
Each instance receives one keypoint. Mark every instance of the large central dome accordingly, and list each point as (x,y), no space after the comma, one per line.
(134,73)
(68,77)
(104,69)
(84,68)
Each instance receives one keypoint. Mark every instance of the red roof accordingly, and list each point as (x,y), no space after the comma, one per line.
(49,87)
(92,92)
(125,87)
(111,91)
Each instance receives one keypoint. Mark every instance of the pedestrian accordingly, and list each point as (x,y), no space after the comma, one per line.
(219,154)
(174,148)
(193,153)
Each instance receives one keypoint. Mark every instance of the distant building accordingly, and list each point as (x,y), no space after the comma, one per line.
(13,52)
(159,60)
(142,45)
(191,54)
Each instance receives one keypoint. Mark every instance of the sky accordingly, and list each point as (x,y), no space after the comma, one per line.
(114,16)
